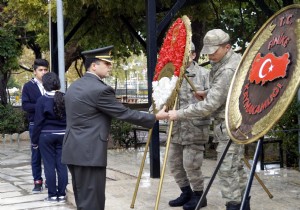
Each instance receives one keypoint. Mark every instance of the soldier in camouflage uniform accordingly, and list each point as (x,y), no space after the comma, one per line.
(224,63)
(188,139)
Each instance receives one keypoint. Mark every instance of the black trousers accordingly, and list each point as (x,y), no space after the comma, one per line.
(88,186)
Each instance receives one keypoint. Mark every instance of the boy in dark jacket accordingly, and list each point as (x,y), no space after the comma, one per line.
(32,90)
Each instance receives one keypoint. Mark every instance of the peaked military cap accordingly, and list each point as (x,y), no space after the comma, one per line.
(103,53)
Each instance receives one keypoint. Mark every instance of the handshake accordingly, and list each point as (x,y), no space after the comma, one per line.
(163,114)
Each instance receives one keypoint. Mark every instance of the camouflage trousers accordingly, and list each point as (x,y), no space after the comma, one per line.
(185,163)
(232,175)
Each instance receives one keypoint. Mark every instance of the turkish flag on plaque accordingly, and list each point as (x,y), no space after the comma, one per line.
(266,79)
(268,68)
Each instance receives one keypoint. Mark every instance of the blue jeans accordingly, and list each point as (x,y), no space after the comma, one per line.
(36,159)
(51,149)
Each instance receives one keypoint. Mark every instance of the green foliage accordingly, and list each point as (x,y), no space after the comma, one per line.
(10,49)
(23,10)
(121,133)
(31,18)
(287,130)
(12,120)
(13,83)
(89,24)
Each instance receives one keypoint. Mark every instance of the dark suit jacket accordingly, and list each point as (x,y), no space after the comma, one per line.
(90,107)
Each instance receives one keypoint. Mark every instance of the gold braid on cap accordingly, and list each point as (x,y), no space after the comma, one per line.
(103,56)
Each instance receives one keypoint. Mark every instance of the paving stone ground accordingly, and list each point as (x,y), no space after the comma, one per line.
(122,171)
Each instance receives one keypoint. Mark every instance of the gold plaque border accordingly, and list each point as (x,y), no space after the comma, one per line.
(233,116)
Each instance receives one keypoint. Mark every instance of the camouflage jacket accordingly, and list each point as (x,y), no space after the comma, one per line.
(220,79)
(191,130)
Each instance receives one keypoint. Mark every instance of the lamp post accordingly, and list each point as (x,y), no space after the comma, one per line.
(60,44)
(126,69)
(137,85)
(126,86)
(298,97)
(138,64)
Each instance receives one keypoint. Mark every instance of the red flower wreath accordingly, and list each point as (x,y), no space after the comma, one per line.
(172,50)
(171,63)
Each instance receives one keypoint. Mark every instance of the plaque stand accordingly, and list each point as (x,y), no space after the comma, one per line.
(249,183)
(250,179)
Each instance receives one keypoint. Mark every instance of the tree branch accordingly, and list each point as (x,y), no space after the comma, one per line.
(264,7)
(25,68)
(78,25)
(133,31)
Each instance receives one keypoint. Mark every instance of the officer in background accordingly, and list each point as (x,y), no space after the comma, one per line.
(188,139)
(224,61)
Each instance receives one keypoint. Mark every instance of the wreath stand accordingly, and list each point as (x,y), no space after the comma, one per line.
(250,179)
(164,163)
(172,60)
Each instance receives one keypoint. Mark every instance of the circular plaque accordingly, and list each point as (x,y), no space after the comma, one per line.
(266,79)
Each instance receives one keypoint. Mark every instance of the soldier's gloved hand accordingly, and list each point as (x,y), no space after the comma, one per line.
(35,146)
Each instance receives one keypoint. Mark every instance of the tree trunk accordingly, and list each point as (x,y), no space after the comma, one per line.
(198,29)
(3,87)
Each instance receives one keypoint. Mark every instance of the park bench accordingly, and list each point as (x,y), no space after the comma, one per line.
(268,141)
(143,133)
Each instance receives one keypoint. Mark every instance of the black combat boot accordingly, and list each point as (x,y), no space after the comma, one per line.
(247,203)
(184,197)
(191,205)
(233,205)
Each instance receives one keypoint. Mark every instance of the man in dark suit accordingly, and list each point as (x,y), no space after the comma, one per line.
(90,107)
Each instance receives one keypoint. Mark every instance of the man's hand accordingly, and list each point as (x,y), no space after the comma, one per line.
(162,114)
(172,115)
(200,94)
